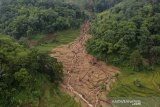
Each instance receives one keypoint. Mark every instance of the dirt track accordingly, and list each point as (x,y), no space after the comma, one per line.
(86,78)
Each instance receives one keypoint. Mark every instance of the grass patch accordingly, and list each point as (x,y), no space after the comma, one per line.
(46,95)
(148,92)
(125,85)
(53,97)
(63,37)
(3,36)
(37,36)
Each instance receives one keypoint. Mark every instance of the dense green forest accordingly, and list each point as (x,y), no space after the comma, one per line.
(27,17)
(125,33)
(95,5)
(101,5)
(27,76)
(19,71)
(128,34)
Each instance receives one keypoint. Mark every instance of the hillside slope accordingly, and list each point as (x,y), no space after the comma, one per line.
(29,78)
(85,77)
(129,33)
(128,36)
(21,18)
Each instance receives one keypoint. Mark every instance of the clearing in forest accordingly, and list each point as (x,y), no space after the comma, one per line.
(84,77)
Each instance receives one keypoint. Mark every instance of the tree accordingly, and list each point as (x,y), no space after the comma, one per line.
(20,69)
(127,27)
(50,66)
(21,18)
(155,55)
(136,60)
(23,77)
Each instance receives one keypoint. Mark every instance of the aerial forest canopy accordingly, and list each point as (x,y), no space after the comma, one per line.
(26,17)
(128,32)
(95,5)
(20,69)
(101,5)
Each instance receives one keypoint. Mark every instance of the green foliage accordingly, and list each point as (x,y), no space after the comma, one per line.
(129,26)
(23,19)
(136,60)
(51,67)
(94,5)
(61,37)
(101,5)
(19,68)
(53,97)
(136,84)
(23,77)
(80,3)
(155,52)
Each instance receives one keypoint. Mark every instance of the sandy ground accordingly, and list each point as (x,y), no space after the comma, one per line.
(85,78)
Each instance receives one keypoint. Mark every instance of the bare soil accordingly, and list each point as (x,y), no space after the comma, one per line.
(85,78)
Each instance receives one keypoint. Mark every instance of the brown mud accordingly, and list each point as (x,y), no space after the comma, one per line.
(85,78)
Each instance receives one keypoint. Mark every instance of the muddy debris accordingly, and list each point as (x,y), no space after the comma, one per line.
(83,73)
